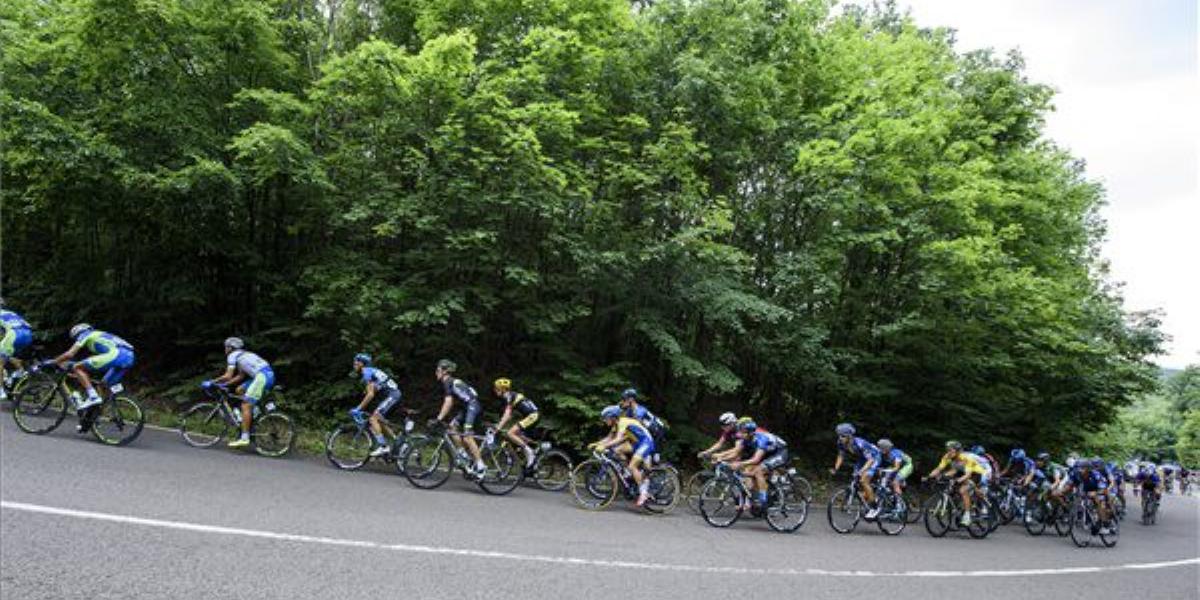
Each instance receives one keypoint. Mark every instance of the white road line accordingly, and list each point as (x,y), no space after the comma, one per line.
(561,560)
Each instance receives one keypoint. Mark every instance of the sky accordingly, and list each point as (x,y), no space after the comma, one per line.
(1128,103)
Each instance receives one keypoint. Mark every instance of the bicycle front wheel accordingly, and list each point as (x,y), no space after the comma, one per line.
(1081,526)
(119,422)
(273,434)
(664,490)
(553,471)
(939,515)
(429,462)
(1034,518)
(893,514)
(348,447)
(505,471)
(203,425)
(40,405)
(721,502)
(594,485)
(787,510)
(844,511)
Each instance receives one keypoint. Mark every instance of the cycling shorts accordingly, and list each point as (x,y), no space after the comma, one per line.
(528,421)
(901,474)
(390,400)
(775,460)
(15,341)
(262,383)
(114,364)
(643,448)
(870,472)
(467,416)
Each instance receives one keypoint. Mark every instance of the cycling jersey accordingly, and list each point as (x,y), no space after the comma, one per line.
(382,380)
(637,434)
(967,462)
(16,336)
(248,363)
(469,400)
(1148,480)
(889,459)
(1092,481)
(767,442)
(11,320)
(111,355)
(860,450)
(520,404)
(1022,467)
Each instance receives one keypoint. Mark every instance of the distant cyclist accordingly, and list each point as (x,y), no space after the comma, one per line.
(378,383)
(897,465)
(1020,467)
(111,358)
(632,441)
(768,452)
(727,439)
(971,466)
(866,461)
(242,365)
(526,412)
(633,408)
(1148,481)
(15,336)
(456,391)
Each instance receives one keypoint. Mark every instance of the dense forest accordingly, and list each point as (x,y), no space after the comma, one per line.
(804,212)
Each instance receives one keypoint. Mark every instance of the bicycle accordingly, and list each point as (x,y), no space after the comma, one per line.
(943,512)
(431,460)
(1149,507)
(725,497)
(1040,512)
(350,444)
(845,508)
(42,401)
(209,421)
(551,468)
(1009,500)
(1087,524)
(598,481)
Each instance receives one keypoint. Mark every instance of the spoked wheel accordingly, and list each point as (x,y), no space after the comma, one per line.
(505,471)
(203,425)
(1062,521)
(1109,536)
(119,421)
(939,515)
(273,434)
(721,502)
(1007,511)
(1081,526)
(594,485)
(552,472)
(429,462)
(348,447)
(691,489)
(664,490)
(893,514)
(787,510)
(844,511)
(1034,518)
(983,519)
(802,488)
(39,405)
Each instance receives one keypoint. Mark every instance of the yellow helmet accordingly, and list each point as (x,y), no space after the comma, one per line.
(743,421)
(503,384)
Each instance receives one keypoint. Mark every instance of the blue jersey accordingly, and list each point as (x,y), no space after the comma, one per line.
(99,342)
(1091,480)
(382,381)
(459,390)
(860,450)
(1023,466)
(643,414)
(888,459)
(1150,478)
(13,321)
(769,443)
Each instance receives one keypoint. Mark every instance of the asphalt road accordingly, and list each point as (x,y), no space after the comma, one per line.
(162,520)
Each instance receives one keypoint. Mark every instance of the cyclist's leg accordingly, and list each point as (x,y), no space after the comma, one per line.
(377,417)
(865,477)
(900,478)
(471,413)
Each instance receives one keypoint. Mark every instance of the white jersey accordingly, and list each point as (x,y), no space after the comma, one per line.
(249,363)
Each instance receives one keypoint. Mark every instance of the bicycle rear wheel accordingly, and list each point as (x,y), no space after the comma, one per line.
(1034,518)
(203,425)
(429,462)
(787,510)
(913,503)
(664,490)
(893,514)
(594,485)
(348,447)
(505,470)
(40,405)
(844,511)
(721,502)
(119,421)
(802,488)
(273,434)
(691,489)
(552,472)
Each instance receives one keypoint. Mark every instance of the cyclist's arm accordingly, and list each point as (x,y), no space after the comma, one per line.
(505,417)
(837,464)
(713,448)
(367,396)
(447,403)
(867,466)
(69,354)
(227,377)
(753,460)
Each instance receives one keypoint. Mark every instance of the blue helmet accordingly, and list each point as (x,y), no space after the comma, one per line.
(844,429)
(748,426)
(1017,454)
(629,393)
(610,412)
(364,358)
(977,449)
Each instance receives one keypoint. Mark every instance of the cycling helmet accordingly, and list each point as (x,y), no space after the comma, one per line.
(844,429)
(80,329)
(1016,454)
(977,449)
(1043,456)
(748,426)
(885,444)
(727,419)
(953,445)
(629,393)
(502,383)
(744,420)
(235,343)
(364,358)
(447,365)
(1072,461)
(610,412)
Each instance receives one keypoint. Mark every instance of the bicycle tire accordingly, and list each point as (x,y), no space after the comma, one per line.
(783,515)
(847,508)
(1081,534)
(1034,519)
(691,489)
(273,434)
(1113,535)
(552,472)
(982,525)
(118,421)
(40,409)
(505,470)
(348,447)
(594,485)
(893,514)
(429,463)
(913,502)
(203,425)
(721,502)
(664,489)
(801,486)
(938,512)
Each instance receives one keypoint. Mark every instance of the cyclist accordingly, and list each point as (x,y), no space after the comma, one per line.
(244,365)
(111,356)
(632,441)
(1148,481)
(1090,480)
(1020,467)
(1051,473)
(728,435)
(971,466)
(992,463)
(526,410)
(633,409)
(1116,483)
(769,452)
(468,413)
(897,464)
(378,383)
(866,461)
(15,336)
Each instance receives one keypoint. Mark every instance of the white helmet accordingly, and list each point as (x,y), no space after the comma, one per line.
(80,329)
(234,343)
(727,419)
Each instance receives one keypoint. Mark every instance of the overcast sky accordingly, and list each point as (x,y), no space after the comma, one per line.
(1127,103)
